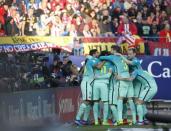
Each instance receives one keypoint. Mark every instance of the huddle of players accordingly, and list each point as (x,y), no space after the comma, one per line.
(112,79)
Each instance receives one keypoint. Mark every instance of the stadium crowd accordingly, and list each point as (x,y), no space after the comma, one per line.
(89,18)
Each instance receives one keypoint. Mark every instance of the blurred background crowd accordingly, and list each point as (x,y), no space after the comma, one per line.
(36,70)
(88,18)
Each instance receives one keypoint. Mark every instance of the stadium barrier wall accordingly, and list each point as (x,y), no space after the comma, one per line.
(27,106)
(159,49)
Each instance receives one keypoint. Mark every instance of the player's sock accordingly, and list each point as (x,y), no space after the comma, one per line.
(120,109)
(81,111)
(144,109)
(105,111)
(125,109)
(114,112)
(140,113)
(133,110)
(87,113)
(99,113)
(95,111)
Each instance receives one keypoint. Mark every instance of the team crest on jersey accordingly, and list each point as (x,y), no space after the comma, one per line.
(94,61)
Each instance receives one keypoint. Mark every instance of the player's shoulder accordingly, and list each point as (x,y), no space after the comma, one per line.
(94,60)
(137,71)
(136,59)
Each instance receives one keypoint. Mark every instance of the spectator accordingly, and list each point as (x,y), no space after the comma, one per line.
(128,4)
(53,4)
(145,29)
(151,18)
(132,12)
(165,34)
(94,28)
(79,23)
(72,31)
(145,12)
(86,31)
(66,69)
(168,5)
(35,17)
(57,27)
(117,4)
(41,25)
(127,27)
(29,21)
(2,13)
(154,34)
(2,32)
(69,9)
(12,29)
(114,26)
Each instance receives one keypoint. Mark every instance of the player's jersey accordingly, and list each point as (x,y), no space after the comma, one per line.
(112,82)
(89,68)
(144,77)
(121,67)
(136,65)
(102,75)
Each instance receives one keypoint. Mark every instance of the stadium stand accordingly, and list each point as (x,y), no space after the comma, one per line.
(97,18)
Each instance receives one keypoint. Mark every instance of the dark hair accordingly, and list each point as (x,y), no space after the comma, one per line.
(104,53)
(64,57)
(69,62)
(116,48)
(133,50)
(92,52)
(105,18)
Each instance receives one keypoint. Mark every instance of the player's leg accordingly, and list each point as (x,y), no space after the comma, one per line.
(122,92)
(104,95)
(84,91)
(144,109)
(139,106)
(96,97)
(130,96)
(87,113)
(86,96)
(91,96)
(113,99)
(147,95)
(140,102)
(144,96)
(125,109)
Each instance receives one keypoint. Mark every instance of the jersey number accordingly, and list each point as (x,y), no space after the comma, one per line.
(104,70)
(125,65)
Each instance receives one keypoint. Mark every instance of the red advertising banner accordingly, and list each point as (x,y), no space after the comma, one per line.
(158,49)
(67,103)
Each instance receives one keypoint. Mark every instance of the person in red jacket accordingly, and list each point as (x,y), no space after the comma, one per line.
(165,34)
(2,12)
(127,27)
(126,31)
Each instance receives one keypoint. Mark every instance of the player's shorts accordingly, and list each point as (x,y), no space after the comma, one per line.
(138,87)
(125,89)
(86,90)
(100,91)
(148,92)
(113,94)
